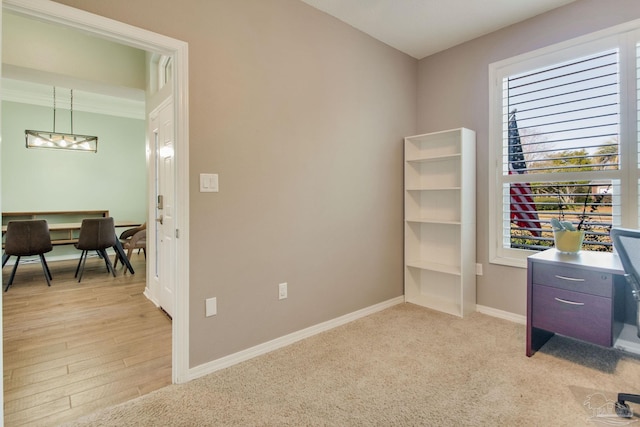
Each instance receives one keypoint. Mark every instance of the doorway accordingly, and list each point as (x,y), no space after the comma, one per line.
(58,14)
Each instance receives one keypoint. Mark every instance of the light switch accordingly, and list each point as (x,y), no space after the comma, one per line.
(208,182)
(211,307)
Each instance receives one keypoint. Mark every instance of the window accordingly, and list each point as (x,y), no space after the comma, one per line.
(165,69)
(564,142)
(160,71)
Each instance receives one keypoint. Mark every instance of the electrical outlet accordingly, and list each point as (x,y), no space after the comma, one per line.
(282,291)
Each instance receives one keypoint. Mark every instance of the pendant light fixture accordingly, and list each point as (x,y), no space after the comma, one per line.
(61,141)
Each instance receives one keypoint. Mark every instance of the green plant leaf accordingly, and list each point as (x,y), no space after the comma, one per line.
(556,224)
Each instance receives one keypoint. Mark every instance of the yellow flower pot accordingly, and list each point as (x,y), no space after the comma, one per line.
(568,241)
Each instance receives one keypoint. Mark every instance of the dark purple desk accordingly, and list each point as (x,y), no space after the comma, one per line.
(580,296)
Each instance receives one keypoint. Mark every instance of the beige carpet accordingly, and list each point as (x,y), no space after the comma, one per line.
(404,366)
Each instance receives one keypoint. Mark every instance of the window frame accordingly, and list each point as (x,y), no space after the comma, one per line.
(625,37)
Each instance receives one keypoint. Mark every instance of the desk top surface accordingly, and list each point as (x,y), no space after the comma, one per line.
(600,261)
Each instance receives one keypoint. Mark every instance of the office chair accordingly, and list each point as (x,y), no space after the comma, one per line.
(96,234)
(26,238)
(627,244)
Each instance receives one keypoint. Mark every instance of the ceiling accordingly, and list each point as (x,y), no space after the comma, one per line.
(98,86)
(423,27)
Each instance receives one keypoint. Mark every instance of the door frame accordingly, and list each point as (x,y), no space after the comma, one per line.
(122,33)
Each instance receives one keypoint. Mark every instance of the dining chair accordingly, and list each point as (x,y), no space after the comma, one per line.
(27,238)
(136,241)
(127,236)
(96,234)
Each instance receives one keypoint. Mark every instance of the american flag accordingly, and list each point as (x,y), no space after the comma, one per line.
(523,208)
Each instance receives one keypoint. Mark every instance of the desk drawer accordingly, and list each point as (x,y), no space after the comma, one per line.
(573,279)
(574,314)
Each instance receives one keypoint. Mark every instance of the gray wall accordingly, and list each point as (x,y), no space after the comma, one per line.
(454,91)
(302,117)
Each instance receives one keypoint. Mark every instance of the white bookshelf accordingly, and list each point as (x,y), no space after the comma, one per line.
(440,225)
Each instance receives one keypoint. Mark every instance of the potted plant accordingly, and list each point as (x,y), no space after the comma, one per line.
(567,238)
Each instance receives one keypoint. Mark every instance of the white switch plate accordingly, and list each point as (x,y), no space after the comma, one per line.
(282,291)
(211,306)
(208,182)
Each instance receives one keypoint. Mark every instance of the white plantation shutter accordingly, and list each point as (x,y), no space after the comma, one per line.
(568,117)
(575,114)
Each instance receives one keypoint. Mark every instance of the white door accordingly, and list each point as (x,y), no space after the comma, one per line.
(162,244)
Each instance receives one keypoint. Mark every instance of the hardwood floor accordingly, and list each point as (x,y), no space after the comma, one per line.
(75,348)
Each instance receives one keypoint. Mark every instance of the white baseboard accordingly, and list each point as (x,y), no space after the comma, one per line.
(241,356)
(147,293)
(494,312)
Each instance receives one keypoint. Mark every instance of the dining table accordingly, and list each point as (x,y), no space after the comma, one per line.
(75,226)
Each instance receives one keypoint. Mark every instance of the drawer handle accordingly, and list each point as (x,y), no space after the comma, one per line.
(572,279)
(564,301)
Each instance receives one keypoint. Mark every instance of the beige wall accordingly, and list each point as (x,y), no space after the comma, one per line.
(302,117)
(454,89)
